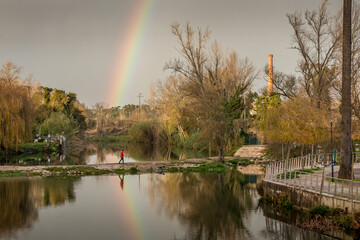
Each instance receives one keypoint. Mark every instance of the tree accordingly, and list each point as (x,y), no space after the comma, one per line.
(291,122)
(284,84)
(100,117)
(210,82)
(58,123)
(346,159)
(16,108)
(316,40)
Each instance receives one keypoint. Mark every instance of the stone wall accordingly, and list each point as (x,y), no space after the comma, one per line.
(306,198)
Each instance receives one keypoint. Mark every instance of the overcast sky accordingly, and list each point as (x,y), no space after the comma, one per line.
(73,44)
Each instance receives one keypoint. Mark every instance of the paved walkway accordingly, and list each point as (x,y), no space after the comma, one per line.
(336,188)
(336,171)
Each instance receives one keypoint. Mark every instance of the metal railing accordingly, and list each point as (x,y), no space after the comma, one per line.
(299,173)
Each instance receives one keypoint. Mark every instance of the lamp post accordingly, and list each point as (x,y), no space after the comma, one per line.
(331,144)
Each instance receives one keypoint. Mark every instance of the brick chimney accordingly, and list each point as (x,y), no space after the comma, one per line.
(270,81)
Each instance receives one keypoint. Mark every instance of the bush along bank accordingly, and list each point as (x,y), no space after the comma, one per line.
(157,133)
(34,148)
(318,218)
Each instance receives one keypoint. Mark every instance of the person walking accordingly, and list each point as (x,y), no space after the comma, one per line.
(122,157)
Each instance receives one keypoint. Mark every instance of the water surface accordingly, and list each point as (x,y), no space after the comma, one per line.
(97,154)
(151,206)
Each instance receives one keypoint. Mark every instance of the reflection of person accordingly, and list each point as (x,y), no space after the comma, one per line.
(122,157)
(122,181)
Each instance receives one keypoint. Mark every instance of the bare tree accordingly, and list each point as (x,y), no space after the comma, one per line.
(100,112)
(285,84)
(316,40)
(214,85)
(346,160)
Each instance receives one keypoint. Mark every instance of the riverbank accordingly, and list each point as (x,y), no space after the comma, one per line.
(208,165)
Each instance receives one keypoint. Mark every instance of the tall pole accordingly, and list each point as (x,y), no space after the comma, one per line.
(333,158)
(140,96)
(346,159)
(270,81)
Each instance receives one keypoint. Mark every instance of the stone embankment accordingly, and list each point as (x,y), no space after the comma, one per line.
(254,152)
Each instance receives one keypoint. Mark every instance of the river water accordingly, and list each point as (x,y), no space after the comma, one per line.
(96,154)
(149,206)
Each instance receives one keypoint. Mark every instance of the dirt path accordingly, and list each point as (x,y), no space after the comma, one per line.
(142,167)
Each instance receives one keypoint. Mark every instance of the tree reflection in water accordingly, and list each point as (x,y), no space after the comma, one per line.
(17,206)
(211,206)
(20,199)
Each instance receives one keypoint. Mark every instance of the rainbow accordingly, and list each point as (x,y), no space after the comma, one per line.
(128,209)
(128,53)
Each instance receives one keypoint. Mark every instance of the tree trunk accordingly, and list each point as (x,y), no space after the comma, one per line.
(302,158)
(288,151)
(221,154)
(346,161)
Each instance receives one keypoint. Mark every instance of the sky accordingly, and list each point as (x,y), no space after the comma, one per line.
(89,46)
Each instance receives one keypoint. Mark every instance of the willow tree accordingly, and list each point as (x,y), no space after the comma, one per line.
(291,122)
(16,108)
(214,84)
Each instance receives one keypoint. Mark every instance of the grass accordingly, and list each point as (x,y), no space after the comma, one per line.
(291,175)
(242,162)
(213,167)
(11,174)
(77,171)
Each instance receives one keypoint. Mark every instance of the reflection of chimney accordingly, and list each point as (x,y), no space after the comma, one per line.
(270,81)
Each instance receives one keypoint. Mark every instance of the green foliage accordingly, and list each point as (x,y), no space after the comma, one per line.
(77,171)
(148,132)
(120,171)
(291,121)
(57,124)
(346,222)
(288,205)
(116,140)
(35,148)
(11,174)
(243,162)
(16,107)
(322,210)
(133,170)
(192,141)
(58,101)
(213,167)
(79,118)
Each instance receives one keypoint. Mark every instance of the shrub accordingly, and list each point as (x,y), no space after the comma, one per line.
(321,210)
(58,123)
(133,170)
(148,132)
(288,205)
(346,222)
